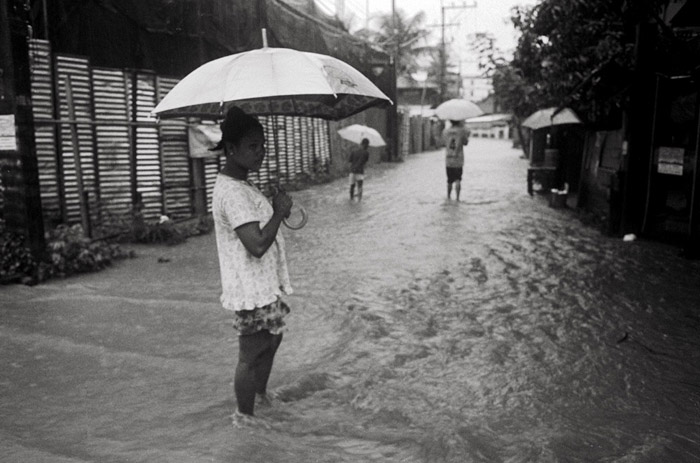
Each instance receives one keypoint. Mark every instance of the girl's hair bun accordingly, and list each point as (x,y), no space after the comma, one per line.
(236,125)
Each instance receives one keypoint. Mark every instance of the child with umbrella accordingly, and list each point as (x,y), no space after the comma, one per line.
(357,160)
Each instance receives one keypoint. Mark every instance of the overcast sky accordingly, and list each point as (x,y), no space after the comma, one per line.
(486,16)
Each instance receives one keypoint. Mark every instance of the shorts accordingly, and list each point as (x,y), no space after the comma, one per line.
(269,317)
(354,178)
(454,174)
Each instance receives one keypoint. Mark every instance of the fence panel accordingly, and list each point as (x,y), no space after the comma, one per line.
(76,139)
(174,148)
(113,141)
(404,133)
(148,166)
(45,134)
(212,165)
(322,145)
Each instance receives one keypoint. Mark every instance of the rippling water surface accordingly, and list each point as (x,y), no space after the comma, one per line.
(493,329)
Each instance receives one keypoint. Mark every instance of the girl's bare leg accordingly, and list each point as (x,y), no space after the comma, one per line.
(256,354)
(264,365)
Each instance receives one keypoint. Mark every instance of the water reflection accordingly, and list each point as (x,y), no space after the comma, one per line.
(493,329)
(423,330)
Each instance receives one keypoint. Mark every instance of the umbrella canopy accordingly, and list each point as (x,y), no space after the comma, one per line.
(544,118)
(356,132)
(457,109)
(269,81)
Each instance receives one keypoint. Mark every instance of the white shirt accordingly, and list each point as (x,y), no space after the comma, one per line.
(247,281)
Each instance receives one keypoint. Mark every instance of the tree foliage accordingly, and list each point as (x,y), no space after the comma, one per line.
(577,53)
(402,35)
(488,55)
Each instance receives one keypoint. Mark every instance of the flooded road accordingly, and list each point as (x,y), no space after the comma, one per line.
(493,329)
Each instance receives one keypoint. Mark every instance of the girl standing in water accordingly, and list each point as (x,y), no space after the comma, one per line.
(251,257)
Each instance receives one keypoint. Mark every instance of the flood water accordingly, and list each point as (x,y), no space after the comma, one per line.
(494,329)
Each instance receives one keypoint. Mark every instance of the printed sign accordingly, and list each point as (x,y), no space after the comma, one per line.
(671,155)
(670,160)
(8,136)
(670,169)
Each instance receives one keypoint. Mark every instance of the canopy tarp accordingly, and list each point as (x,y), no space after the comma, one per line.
(173,37)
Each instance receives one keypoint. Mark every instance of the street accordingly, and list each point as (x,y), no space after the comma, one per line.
(493,329)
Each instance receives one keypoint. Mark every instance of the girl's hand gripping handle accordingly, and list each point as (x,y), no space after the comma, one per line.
(282,203)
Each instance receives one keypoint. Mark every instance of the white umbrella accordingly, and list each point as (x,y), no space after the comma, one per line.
(356,132)
(457,109)
(268,81)
(272,81)
(543,118)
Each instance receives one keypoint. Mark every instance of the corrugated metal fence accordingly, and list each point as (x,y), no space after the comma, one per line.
(100,152)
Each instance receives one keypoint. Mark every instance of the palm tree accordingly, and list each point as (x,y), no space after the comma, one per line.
(402,36)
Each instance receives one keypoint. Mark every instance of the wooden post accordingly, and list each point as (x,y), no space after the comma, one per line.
(75,147)
(132,84)
(199,187)
(18,162)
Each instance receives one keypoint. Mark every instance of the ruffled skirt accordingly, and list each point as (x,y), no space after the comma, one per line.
(269,317)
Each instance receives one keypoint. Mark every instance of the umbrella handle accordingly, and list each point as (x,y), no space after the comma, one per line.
(304,216)
(301,223)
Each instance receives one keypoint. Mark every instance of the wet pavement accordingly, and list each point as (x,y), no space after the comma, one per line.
(494,329)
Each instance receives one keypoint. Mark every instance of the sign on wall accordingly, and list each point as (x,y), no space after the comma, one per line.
(670,160)
(8,135)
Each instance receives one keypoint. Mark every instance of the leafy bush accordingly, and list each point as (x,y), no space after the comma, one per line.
(69,252)
(15,258)
(132,227)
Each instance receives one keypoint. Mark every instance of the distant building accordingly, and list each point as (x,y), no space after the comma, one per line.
(410,92)
(490,126)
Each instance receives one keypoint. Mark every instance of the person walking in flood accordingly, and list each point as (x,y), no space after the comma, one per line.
(357,160)
(455,138)
(252,258)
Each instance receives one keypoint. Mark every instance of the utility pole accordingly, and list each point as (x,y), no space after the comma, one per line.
(340,9)
(393,114)
(443,47)
(366,15)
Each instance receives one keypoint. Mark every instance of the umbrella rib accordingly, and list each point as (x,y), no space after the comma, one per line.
(230,76)
(308,57)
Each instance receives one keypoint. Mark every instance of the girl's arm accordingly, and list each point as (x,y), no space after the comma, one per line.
(258,240)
